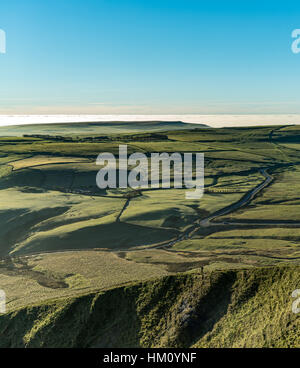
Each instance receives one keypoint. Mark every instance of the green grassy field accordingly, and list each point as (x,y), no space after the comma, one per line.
(61,236)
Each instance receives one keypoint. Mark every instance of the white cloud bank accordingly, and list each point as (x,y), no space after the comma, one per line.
(215,121)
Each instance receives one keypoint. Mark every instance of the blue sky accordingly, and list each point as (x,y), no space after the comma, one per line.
(149,57)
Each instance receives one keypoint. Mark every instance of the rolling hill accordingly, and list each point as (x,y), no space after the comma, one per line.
(214,272)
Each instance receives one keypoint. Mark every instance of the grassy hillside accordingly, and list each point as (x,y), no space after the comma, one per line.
(70,253)
(245,308)
(52,181)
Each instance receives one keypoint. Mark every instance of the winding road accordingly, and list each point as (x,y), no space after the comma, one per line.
(207,222)
(242,202)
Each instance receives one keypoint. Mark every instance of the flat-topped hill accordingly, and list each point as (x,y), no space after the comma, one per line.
(91,128)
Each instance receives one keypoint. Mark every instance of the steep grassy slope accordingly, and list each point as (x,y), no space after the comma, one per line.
(245,308)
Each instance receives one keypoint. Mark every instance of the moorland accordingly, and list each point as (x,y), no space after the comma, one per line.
(187,272)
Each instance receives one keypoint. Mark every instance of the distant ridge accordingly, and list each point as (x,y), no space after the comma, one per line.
(109,127)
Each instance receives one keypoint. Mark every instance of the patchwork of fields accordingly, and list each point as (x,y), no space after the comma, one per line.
(62,236)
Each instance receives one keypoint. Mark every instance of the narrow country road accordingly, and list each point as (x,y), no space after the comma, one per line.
(207,222)
(242,202)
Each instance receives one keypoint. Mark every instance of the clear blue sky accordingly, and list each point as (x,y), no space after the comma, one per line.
(152,56)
